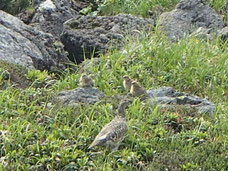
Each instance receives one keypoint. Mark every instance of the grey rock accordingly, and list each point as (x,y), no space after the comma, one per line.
(223,33)
(167,97)
(80,95)
(26,46)
(163,91)
(89,35)
(164,100)
(47,6)
(206,109)
(187,17)
(36,2)
(203,33)
(189,100)
(50,15)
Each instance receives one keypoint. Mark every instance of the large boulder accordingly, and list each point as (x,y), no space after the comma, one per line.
(84,36)
(187,17)
(49,15)
(29,47)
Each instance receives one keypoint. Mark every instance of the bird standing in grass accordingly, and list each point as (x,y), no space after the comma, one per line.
(137,90)
(113,133)
(85,81)
(127,82)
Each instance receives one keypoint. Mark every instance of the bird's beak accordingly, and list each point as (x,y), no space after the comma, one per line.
(129,101)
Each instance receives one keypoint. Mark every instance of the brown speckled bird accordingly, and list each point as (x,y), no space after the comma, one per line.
(127,82)
(85,81)
(114,132)
(137,90)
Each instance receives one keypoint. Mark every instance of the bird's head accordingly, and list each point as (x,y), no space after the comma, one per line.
(85,78)
(125,103)
(126,78)
(122,106)
(135,84)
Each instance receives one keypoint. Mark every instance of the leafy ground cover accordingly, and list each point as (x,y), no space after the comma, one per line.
(38,134)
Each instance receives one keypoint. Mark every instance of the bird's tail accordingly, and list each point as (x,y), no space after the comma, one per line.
(98,142)
(94,144)
(91,146)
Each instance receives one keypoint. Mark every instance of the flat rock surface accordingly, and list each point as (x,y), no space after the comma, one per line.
(80,95)
(29,47)
(187,17)
(168,97)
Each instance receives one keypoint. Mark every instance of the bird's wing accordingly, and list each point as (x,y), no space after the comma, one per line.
(117,131)
(92,83)
(111,132)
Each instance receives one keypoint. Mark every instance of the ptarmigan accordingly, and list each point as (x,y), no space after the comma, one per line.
(137,90)
(127,82)
(114,132)
(85,81)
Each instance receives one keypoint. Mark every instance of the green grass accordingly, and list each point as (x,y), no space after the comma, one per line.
(136,7)
(145,8)
(38,134)
(150,8)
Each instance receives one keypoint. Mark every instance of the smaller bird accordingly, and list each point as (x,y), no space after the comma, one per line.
(137,90)
(114,132)
(127,82)
(85,81)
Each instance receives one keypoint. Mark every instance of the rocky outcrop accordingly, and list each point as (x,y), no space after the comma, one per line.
(88,95)
(89,35)
(50,15)
(187,17)
(167,97)
(29,47)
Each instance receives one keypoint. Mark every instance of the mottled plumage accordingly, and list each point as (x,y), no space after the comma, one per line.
(85,81)
(113,133)
(127,82)
(137,90)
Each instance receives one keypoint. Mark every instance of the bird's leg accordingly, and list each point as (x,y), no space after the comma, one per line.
(129,95)
(115,147)
(144,97)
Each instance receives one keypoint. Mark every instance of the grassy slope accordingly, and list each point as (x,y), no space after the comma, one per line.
(150,8)
(43,135)
(37,134)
